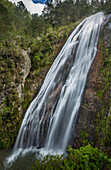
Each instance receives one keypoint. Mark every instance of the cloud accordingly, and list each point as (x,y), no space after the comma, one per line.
(32,7)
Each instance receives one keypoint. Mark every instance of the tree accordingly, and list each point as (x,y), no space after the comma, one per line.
(21,5)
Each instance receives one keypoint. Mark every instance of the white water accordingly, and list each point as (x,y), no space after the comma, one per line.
(48,121)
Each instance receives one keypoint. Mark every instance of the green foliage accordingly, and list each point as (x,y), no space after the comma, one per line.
(9,122)
(84,158)
(45,36)
(43,49)
(20,30)
(68,11)
(104,122)
(99,94)
(84,137)
(16,20)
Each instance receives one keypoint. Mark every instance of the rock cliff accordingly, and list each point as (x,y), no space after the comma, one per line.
(94,117)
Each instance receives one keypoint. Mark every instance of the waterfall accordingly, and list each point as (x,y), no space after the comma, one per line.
(48,121)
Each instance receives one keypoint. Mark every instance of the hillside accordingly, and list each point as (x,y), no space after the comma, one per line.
(26,54)
(91,139)
(94,118)
(28,46)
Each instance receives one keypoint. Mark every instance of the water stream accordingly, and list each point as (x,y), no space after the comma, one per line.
(48,121)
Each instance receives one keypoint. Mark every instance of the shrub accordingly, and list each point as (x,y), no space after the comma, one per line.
(85,158)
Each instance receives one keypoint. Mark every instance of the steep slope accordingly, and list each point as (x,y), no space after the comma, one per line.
(94,119)
(24,62)
(28,46)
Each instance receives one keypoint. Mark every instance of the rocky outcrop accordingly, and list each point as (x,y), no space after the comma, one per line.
(94,117)
(14,68)
(25,69)
(91,105)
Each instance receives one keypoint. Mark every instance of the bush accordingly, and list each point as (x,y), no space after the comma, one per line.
(85,158)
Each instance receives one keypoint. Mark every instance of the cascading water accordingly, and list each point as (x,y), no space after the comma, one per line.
(48,121)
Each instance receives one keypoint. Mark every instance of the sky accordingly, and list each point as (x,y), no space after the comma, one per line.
(32,7)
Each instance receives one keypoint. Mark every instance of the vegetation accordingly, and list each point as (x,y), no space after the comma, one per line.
(95,110)
(42,37)
(21,31)
(84,158)
(104,117)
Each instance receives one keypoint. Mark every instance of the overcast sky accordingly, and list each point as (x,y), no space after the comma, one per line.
(33,8)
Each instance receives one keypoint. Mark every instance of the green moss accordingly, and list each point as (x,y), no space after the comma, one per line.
(9,122)
(104,116)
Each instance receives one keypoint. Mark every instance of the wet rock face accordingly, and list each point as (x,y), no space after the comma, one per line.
(85,124)
(107,31)
(94,117)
